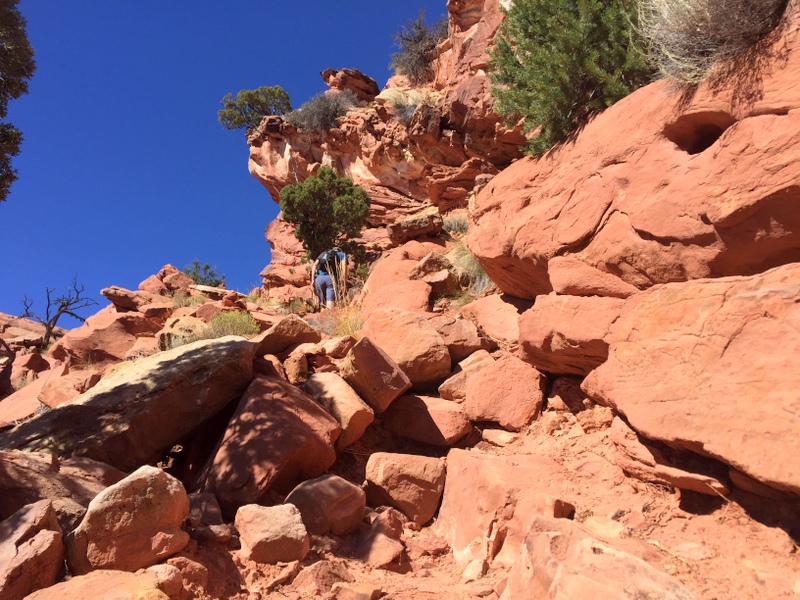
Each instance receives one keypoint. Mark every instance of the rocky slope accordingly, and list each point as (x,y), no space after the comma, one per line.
(620,422)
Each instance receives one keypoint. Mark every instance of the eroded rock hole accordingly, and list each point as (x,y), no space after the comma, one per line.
(694,133)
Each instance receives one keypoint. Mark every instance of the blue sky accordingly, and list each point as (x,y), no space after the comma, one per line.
(124,167)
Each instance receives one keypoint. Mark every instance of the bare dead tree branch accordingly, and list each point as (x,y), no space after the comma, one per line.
(57,307)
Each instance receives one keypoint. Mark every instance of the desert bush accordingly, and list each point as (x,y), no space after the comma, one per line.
(204,274)
(250,106)
(417,42)
(403,104)
(556,63)
(326,210)
(319,114)
(685,38)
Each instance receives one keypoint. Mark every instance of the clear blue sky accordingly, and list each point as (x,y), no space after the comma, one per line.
(124,167)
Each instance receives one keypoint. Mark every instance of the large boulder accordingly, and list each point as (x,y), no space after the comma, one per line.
(559,561)
(31,551)
(565,335)
(329,503)
(513,489)
(134,414)
(373,374)
(427,419)
(497,316)
(720,363)
(272,534)
(343,404)
(106,585)
(278,437)
(412,342)
(660,187)
(411,484)
(28,477)
(131,525)
(509,393)
(105,338)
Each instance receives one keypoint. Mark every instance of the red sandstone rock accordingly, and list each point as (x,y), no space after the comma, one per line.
(455,386)
(131,525)
(461,336)
(411,484)
(412,296)
(509,393)
(514,489)
(31,550)
(154,285)
(373,375)
(174,279)
(342,403)
(105,585)
(26,367)
(566,335)
(272,534)
(570,276)
(277,437)
(130,417)
(658,188)
(329,503)
(414,227)
(28,477)
(365,88)
(291,330)
(497,316)
(707,353)
(410,341)
(106,337)
(60,390)
(427,419)
(128,300)
(559,561)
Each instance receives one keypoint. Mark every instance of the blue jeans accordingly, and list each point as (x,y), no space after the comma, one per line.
(323,285)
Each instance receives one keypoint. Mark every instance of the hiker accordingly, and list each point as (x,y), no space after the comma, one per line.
(329,276)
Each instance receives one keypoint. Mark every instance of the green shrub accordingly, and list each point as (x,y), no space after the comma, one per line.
(319,114)
(181,299)
(327,211)
(250,106)
(685,38)
(417,43)
(556,63)
(204,275)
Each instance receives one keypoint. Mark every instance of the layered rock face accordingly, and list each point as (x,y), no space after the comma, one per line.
(663,186)
(409,148)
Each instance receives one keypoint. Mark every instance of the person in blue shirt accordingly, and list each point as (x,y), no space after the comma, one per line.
(329,276)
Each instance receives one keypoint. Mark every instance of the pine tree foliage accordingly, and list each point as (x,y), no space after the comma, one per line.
(250,106)
(204,274)
(16,67)
(556,63)
(327,210)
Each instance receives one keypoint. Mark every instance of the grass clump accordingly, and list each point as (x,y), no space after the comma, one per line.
(417,42)
(686,38)
(229,322)
(470,272)
(319,114)
(181,299)
(403,104)
(456,224)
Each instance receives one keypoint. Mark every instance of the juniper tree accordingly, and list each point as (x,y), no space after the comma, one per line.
(555,63)
(327,211)
(16,67)
(250,106)
(417,42)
